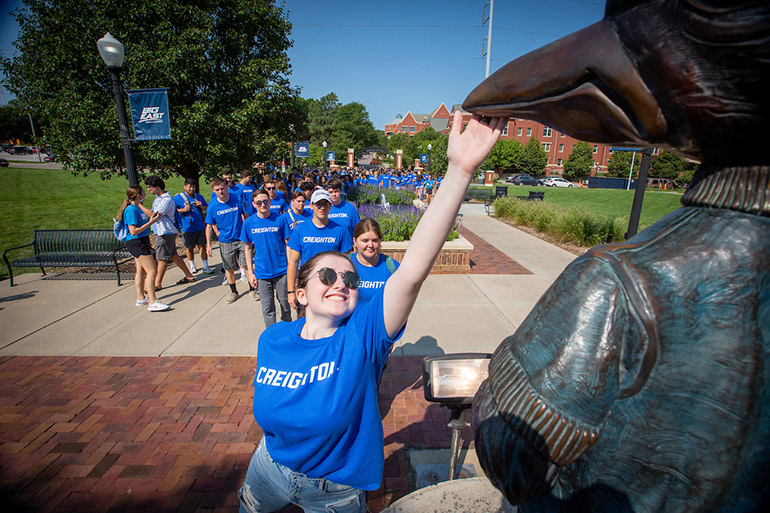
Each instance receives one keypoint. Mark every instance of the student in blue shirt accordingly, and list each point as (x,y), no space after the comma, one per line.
(135,216)
(296,214)
(225,218)
(192,207)
(373,267)
(315,386)
(265,250)
(277,204)
(342,212)
(315,236)
(245,189)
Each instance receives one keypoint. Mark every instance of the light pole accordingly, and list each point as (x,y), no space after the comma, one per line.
(112,54)
(430,147)
(324,145)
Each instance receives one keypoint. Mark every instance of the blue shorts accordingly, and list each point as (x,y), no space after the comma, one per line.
(270,486)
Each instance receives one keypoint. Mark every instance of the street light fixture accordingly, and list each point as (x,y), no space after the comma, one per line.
(430,147)
(112,54)
(324,145)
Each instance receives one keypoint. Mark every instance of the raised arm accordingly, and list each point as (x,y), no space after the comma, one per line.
(466,152)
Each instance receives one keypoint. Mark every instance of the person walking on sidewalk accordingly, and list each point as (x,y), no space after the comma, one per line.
(132,214)
(225,218)
(315,388)
(265,250)
(166,231)
(192,207)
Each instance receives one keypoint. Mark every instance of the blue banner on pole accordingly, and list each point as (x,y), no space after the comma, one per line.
(303,149)
(149,113)
(423,158)
(329,155)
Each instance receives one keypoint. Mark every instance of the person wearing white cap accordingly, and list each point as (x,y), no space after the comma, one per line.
(319,235)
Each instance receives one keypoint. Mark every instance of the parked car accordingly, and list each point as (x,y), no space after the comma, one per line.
(556,181)
(525,179)
(51,157)
(3,163)
(20,150)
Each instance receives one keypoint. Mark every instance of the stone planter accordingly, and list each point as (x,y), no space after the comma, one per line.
(455,255)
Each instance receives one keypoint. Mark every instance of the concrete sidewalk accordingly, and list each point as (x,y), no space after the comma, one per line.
(107,407)
(454,312)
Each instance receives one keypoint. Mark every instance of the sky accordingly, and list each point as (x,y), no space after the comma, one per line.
(398,56)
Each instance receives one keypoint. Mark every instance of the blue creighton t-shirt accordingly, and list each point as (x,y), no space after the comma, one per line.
(310,240)
(345,214)
(227,217)
(372,278)
(316,400)
(269,245)
(134,216)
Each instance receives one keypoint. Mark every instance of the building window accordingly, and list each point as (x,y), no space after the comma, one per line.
(558,162)
(520,132)
(561,148)
(656,151)
(546,131)
(546,147)
(411,129)
(529,132)
(596,148)
(505,130)
(403,129)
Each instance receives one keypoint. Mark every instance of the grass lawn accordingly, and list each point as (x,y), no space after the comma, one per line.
(52,198)
(607,202)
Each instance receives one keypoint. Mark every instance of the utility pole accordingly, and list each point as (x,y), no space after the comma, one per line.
(488,39)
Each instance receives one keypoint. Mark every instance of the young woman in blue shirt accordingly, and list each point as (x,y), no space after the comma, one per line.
(315,388)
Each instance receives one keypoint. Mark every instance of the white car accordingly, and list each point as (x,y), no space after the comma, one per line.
(556,181)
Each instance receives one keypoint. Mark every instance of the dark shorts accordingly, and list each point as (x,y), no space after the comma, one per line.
(429,190)
(165,246)
(192,239)
(139,247)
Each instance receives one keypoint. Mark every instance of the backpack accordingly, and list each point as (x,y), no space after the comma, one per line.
(120,229)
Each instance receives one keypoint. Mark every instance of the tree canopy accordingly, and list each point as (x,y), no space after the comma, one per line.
(504,154)
(667,165)
(580,161)
(533,158)
(224,63)
(619,164)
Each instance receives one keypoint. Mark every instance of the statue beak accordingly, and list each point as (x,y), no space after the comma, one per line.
(583,84)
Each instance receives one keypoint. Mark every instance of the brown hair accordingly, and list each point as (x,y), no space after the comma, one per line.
(216,181)
(367,225)
(296,194)
(132,192)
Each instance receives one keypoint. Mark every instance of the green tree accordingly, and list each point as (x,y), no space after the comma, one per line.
(353,129)
(438,158)
(224,63)
(666,165)
(14,124)
(580,161)
(620,164)
(504,154)
(322,118)
(533,158)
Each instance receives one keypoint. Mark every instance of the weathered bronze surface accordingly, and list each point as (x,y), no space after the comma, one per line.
(641,379)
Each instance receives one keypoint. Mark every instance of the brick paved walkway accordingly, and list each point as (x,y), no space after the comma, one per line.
(163,434)
(487,259)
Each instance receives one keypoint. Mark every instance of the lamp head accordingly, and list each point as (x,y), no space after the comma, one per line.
(111,51)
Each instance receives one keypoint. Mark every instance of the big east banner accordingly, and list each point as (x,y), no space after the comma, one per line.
(149,113)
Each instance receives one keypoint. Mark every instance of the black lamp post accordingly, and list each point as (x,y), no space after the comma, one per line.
(324,145)
(112,54)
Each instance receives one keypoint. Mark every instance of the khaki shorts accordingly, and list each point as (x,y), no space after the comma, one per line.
(165,246)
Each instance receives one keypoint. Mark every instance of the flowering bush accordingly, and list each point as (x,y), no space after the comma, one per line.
(366,194)
(399,221)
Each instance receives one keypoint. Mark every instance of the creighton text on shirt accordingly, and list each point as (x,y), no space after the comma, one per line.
(291,379)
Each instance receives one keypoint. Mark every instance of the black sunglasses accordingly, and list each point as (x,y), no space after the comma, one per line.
(328,277)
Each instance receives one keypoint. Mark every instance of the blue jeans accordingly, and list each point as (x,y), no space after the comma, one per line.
(270,486)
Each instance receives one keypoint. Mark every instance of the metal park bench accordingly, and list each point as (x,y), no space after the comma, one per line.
(72,248)
(500,191)
(533,195)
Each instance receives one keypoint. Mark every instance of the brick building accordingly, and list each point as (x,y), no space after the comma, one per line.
(556,144)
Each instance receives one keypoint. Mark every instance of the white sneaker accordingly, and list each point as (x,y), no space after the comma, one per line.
(143,302)
(157,306)
(243,278)
(208,270)
(193,269)
(224,280)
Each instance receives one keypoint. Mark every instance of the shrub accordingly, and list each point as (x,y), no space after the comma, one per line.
(573,225)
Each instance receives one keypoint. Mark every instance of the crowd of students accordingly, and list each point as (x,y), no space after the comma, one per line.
(316,378)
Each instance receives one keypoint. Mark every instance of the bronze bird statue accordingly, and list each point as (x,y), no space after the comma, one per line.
(641,379)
